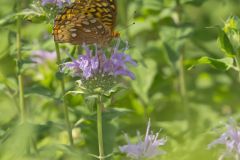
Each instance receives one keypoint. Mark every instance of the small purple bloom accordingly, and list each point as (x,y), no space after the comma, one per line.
(94,63)
(119,60)
(59,3)
(89,65)
(230,138)
(41,56)
(148,148)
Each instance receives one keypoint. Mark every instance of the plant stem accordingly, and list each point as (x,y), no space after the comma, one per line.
(66,112)
(182,81)
(182,86)
(19,67)
(237,60)
(73,51)
(99,128)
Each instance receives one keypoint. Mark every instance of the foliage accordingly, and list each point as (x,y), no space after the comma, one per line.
(187,82)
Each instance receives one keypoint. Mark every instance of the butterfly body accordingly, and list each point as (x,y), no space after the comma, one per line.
(86,21)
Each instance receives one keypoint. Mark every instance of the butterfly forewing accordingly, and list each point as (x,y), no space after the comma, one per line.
(86,22)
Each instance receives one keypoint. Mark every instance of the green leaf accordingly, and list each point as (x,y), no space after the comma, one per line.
(172,54)
(225,44)
(109,114)
(154,5)
(8,82)
(59,75)
(74,92)
(143,83)
(221,64)
(232,23)
(39,90)
(109,136)
(34,15)
(193,2)
(113,90)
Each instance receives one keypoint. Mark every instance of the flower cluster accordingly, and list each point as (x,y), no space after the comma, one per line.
(230,138)
(144,149)
(59,3)
(91,65)
(41,56)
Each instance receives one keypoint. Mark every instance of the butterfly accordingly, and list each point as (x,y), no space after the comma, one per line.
(86,22)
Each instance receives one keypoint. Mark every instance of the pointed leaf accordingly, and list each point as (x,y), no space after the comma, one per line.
(221,64)
(225,44)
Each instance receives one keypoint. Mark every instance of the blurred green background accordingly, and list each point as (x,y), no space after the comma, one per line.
(167,37)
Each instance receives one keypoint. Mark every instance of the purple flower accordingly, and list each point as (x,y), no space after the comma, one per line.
(41,56)
(89,65)
(59,3)
(148,148)
(118,62)
(230,138)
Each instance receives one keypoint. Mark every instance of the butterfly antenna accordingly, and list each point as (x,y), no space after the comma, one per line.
(132,18)
(131,24)
(128,26)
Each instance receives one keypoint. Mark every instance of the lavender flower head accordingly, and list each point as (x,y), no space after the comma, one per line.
(96,72)
(148,148)
(58,3)
(41,56)
(91,65)
(230,138)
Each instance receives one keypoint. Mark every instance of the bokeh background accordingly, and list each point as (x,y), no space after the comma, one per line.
(166,38)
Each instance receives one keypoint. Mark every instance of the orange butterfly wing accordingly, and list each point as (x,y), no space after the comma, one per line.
(86,22)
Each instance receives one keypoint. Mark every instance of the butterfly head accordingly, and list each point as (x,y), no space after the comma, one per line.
(115,34)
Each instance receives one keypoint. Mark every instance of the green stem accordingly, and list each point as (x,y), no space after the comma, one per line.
(99,128)
(237,60)
(66,112)
(19,67)
(182,77)
(34,145)
(73,51)
(182,85)
(182,81)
